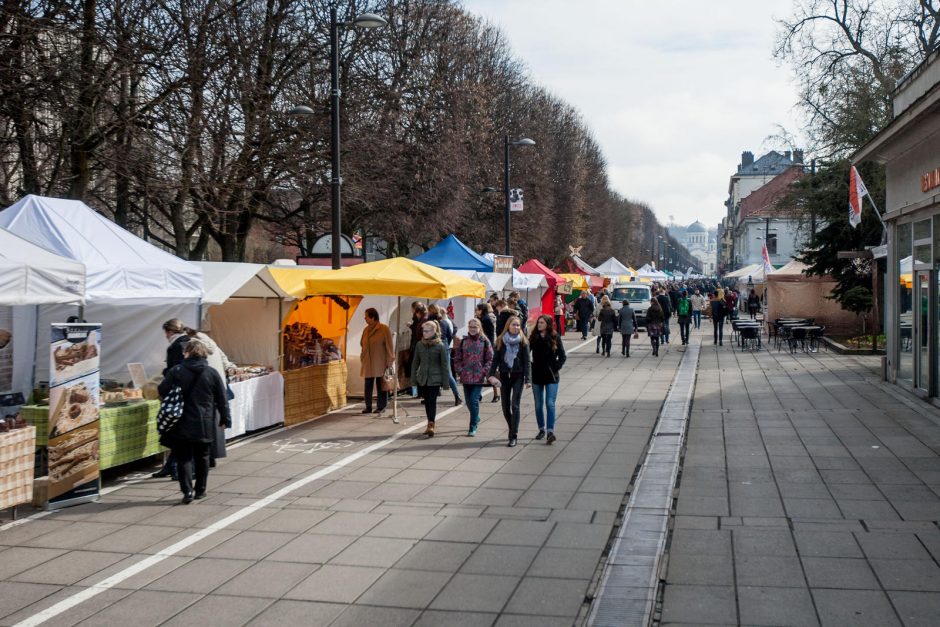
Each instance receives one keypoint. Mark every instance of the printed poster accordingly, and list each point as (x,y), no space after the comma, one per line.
(74,403)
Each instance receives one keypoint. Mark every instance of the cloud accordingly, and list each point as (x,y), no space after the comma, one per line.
(672,91)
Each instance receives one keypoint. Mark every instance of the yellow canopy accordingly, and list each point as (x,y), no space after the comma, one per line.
(291,278)
(578,282)
(394,277)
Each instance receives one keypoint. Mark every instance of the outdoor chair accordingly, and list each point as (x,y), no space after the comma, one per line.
(816,338)
(796,337)
(750,338)
(783,336)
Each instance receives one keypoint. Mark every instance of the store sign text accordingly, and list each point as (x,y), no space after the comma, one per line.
(930,180)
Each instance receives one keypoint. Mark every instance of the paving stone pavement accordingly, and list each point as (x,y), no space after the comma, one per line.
(444,531)
(808,495)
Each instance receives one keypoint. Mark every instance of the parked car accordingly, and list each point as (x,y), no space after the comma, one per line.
(639,296)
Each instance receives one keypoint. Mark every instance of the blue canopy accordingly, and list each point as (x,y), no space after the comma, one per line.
(452,254)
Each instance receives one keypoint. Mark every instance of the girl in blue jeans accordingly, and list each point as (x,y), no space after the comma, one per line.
(473,357)
(548,357)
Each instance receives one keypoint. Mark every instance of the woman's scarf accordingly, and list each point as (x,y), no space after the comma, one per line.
(511,342)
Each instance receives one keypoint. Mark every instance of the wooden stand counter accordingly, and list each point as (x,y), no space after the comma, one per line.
(312,391)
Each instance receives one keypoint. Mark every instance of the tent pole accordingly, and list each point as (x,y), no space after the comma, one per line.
(397,333)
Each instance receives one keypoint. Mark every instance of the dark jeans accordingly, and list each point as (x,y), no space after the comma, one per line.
(654,342)
(189,454)
(560,325)
(625,343)
(684,328)
(606,340)
(666,330)
(719,329)
(697,319)
(583,326)
(375,382)
(511,397)
(473,394)
(430,393)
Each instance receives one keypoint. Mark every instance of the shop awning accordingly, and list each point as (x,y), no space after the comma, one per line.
(30,275)
(534,266)
(394,277)
(452,254)
(238,280)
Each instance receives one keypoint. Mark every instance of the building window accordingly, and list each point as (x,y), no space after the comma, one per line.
(771,243)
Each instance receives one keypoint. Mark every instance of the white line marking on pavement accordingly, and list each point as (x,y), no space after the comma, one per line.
(23,521)
(96,589)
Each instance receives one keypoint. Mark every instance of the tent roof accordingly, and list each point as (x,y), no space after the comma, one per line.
(574,263)
(292,279)
(452,254)
(793,272)
(578,281)
(30,275)
(534,266)
(751,270)
(613,267)
(494,281)
(118,264)
(394,277)
(238,280)
(528,280)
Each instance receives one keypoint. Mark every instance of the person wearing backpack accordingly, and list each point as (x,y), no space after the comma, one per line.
(684,316)
(447,337)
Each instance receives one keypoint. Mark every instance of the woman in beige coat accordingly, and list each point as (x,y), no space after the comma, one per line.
(377,354)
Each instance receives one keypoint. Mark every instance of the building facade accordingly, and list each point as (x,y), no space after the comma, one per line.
(909,147)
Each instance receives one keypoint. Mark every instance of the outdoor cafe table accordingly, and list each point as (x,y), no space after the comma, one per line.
(806,328)
(747,324)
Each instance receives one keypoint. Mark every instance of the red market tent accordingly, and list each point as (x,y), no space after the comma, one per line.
(534,266)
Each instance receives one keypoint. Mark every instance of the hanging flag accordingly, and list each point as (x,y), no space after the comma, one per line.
(768,268)
(515,199)
(857,193)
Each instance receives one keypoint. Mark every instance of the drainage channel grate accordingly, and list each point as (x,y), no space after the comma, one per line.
(628,585)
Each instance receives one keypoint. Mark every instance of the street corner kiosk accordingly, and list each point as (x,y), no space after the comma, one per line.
(398,277)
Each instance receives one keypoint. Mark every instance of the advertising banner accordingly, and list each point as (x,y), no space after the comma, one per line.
(515,199)
(502,264)
(74,372)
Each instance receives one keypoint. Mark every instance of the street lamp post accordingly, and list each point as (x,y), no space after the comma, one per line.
(365,20)
(525,141)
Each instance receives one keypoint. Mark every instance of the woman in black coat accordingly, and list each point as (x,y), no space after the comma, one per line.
(548,356)
(511,365)
(177,335)
(190,438)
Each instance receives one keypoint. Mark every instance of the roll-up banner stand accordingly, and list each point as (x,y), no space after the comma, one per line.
(74,381)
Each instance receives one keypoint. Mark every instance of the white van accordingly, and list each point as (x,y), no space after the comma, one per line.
(638,294)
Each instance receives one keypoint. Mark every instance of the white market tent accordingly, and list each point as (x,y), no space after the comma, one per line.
(649,273)
(755,271)
(131,286)
(31,275)
(613,268)
(532,288)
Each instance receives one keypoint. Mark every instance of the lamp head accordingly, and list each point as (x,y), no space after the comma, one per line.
(300,110)
(369,20)
(525,141)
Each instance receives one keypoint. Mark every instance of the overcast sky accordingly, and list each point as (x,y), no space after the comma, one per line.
(673,90)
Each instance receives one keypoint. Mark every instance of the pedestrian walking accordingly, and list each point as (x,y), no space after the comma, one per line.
(548,357)
(512,367)
(684,316)
(177,338)
(607,321)
(665,304)
(654,324)
(430,370)
(419,315)
(473,357)
(626,322)
(447,338)
(219,362)
(753,304)
(559,315)
(203,393)
(583,312)
(488,321)
(377,354)
(718,311)
(698,304)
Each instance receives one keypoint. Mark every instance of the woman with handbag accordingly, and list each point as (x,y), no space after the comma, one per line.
(548,356)
(377,356)
(511,371)
(188,432)
(473,357)
(654,324)
(628,327)
(430,370)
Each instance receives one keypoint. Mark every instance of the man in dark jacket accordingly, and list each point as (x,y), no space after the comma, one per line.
(584,310)
(666,304)
(189,439)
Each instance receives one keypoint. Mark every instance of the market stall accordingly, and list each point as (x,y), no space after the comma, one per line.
(533,287)
(398,277)
(555,283)
(791,293)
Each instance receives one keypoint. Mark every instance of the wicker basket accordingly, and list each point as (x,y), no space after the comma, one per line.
(313,391)
(17,457)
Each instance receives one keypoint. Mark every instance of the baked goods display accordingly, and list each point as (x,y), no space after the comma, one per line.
(121,396)
(73,459)
(304,346)
(5,337)
(76,406)
(244,373)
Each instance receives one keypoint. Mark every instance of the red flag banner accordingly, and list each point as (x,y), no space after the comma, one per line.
(857,193)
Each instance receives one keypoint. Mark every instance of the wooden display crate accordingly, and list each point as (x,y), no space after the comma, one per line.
(312,391)
(17,456)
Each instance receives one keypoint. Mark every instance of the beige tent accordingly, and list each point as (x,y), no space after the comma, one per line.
(790,293)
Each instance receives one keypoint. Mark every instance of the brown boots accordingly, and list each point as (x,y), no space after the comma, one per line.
(430,430)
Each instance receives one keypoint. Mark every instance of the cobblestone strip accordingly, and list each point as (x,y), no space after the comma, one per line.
(628,586)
